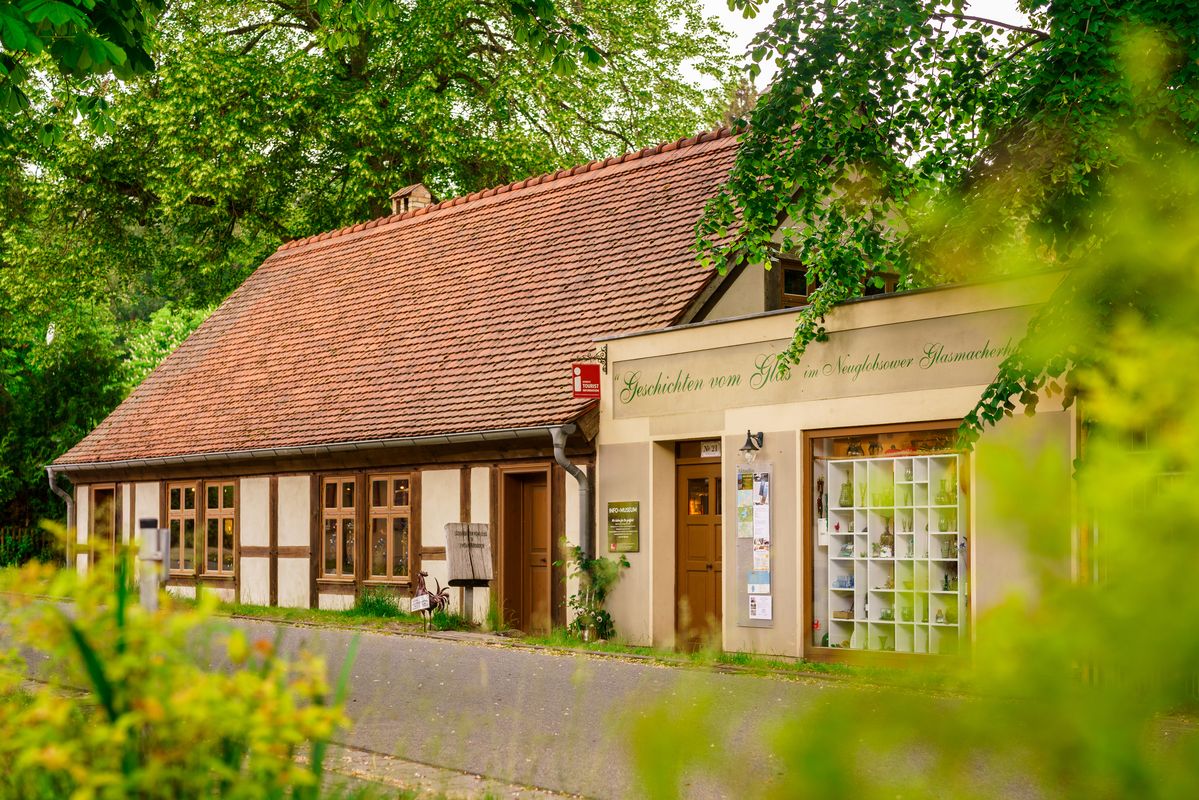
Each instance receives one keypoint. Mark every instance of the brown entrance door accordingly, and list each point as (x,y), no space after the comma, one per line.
(698,580)
(527,552)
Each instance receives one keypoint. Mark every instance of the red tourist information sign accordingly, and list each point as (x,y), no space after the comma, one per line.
(586,380)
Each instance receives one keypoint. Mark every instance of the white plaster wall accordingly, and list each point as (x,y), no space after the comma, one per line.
(256,581)
(294,583)
(746,294)
(439,504)
(480,513)
(572,532)
(81,563)
(182,591)
(626,468)
(225,595)
(83,497)
(480,495)
(147,505)
(336,602)
(295,515)
(254,518)
(295,521)
(128,524)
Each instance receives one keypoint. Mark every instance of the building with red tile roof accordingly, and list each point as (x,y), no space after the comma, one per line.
(402,373)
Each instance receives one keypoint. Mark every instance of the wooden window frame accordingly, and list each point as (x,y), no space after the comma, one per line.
(220,513)
(341,514)
(182,514)
(93,544)
(389,512)
(783,265)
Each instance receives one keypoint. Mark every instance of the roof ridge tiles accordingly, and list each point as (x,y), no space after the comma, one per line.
(722,132)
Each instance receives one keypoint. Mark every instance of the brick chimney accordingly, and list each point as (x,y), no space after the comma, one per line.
(411,198)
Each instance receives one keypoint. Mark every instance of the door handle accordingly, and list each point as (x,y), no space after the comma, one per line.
(709,567)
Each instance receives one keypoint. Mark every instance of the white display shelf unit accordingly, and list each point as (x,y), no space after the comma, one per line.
(912,598)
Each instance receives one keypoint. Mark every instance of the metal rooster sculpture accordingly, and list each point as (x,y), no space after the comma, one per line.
(438,601)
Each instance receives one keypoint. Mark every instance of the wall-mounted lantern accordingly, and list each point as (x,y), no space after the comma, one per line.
(753,443)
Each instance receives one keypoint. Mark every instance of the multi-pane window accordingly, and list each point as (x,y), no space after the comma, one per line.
(220,520)
(104,520)
(796,284)
(390,505)
(337,527)
(181,516)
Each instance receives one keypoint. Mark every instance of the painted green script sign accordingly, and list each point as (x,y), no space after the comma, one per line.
(963,350)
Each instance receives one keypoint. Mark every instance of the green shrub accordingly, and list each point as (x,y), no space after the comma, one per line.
(378,603)
(153,721)
(597,576)
(495,616)
(447,621)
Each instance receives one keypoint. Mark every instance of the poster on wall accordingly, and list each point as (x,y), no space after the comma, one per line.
(745,505)
(759,581)
(759,607)
(754,495)
(624,527)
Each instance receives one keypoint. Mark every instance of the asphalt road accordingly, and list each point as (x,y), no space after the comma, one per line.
(560,722)
(534,718)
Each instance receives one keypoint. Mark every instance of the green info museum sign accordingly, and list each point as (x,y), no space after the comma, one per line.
(624,527)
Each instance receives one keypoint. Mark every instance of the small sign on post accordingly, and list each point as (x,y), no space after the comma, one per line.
(586,381)
(468,560)
(155,556)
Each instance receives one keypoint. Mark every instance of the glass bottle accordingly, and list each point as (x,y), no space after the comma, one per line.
(846,495)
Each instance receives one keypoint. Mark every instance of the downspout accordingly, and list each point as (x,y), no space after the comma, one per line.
(52,476)
(586,538)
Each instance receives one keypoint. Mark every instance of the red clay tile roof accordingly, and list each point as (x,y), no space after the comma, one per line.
(459,317)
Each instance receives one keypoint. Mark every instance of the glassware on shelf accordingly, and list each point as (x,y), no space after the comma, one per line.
(862,494)
(943,522)
(907,471)
(846,500)
(854,448)
(940,618)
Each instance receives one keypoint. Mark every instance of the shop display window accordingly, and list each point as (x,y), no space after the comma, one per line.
(889,541)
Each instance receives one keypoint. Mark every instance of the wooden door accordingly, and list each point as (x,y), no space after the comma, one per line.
(535,554)
(527,549)
(698,556)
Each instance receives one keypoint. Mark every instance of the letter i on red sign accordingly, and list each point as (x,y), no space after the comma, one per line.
(585,381)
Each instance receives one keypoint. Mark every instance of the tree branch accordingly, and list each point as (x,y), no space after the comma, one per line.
(1041,35)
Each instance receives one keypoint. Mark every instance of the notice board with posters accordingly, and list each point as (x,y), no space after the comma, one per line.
(754,584)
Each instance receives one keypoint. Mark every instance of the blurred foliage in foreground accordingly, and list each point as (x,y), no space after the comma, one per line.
(131,709)
(1087,687)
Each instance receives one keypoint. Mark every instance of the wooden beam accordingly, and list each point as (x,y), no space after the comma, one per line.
(273,540)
